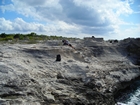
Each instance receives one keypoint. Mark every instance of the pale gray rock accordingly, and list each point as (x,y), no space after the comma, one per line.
(91,74)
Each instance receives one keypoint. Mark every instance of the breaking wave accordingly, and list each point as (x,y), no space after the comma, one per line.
(130,96)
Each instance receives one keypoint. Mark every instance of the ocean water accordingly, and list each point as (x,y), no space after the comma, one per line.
(130,96)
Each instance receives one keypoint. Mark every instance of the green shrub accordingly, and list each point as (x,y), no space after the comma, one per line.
(29,38)
(8,38)
(3,35)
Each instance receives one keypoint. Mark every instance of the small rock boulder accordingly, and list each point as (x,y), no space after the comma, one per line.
(58,57)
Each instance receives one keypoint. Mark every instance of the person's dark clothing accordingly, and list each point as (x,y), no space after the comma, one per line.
(65,42)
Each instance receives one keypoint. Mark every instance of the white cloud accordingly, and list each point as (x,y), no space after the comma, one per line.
(132,32)
(9,7)
(69,17)
(19,25)
(5,25)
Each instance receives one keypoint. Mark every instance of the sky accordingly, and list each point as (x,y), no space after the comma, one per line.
(109,19)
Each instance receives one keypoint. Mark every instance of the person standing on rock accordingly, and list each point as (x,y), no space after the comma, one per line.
(65,42)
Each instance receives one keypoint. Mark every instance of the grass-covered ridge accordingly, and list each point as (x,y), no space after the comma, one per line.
(29,38)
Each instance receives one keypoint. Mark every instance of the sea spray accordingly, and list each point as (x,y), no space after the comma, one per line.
(130,96)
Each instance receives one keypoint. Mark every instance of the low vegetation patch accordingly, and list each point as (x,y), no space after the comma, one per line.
(30,38)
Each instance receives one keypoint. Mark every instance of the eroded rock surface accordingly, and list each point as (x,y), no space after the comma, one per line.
(90,75)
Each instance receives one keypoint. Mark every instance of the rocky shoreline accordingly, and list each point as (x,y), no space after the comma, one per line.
(90,75)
